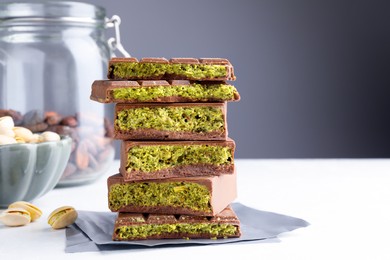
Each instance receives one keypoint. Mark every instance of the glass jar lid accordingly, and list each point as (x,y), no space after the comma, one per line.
(51,11)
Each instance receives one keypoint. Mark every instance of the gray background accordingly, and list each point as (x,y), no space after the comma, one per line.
(313,75)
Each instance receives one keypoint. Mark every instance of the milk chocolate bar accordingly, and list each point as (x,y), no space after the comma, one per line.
(170,121)
(162,91)
(133,226)
(143,160)
(202,196)
(210,69)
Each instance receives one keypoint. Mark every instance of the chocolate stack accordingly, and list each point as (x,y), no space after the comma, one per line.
(177,176)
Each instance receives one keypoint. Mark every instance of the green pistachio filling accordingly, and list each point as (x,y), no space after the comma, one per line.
(143,231)
(56,216)
(157,157)
(144,70)
(194,91)
(176,194)
(193,119)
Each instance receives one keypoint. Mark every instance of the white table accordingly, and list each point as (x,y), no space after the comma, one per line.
(347,203)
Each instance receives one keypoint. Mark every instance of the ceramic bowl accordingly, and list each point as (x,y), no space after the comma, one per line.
(29,171)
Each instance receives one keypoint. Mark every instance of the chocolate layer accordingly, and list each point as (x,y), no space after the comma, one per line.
(202,196)
(162,91)
(133,226)
(145,160)
(211,69)
(174,121)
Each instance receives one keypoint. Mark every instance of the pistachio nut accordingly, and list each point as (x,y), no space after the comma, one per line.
(6,122)
(7,132)
(49,136)
(62,217)
(23,133)
(20,140)
(35,138)
(7,140)
(34,211)
(15,217)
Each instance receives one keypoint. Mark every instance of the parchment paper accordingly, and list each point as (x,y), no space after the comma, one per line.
(93,231)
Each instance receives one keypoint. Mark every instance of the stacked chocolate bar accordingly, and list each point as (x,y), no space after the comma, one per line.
(177,176)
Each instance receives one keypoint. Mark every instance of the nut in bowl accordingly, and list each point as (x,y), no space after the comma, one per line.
(92,149)
(30,170)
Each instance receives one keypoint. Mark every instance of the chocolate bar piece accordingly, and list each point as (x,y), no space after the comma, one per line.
(171,121)
(162,91)
(202,196)
(176,68)
(133,226)
(143,160)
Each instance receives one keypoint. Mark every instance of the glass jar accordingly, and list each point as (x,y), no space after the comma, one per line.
(50,53)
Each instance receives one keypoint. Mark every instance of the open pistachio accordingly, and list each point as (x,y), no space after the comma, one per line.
(62,217)
(34,211)
(7,132)
(6,122)
(20,140)
(35,138)
(7,140)
(23,133)
(15,217)
(49,136)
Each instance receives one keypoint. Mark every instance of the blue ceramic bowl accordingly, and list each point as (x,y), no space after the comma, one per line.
(29,171)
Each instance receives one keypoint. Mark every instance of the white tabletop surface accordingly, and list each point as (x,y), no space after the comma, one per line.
(347,203)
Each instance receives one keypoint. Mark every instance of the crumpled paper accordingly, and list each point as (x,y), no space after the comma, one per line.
(93,231)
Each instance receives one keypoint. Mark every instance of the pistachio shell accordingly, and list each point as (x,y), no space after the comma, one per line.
(6,122)
(34,211)
(62,217)
(49,136)
(23,133)
(35,138)
(20,140)
(15,217)
(7,132)
(7,140)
